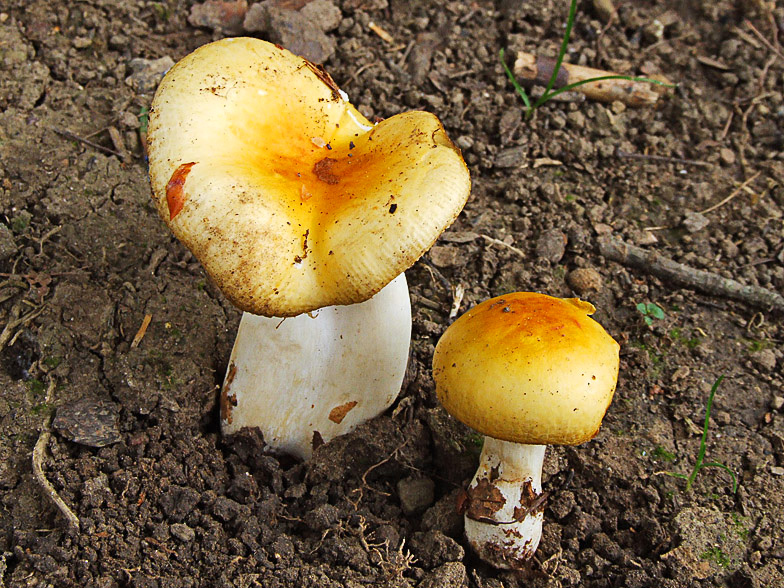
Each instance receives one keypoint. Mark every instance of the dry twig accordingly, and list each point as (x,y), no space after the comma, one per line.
(539,70)
(735,192)
(699,280)
(499,243)
(142,330)
(620,153)
(94,145)
(383,34)
(762,38)
(38,470)
(365,484)
(457,300)
(8,331)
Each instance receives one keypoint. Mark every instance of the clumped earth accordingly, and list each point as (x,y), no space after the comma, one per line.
(127,431)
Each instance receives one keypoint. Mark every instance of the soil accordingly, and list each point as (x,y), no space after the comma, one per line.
(128,434)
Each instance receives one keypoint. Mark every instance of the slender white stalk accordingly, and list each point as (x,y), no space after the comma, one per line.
(314,377)
(500,523)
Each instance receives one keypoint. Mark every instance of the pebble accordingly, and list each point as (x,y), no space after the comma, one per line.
(584,280)
(458,236)
(729,248)
(147,73)
(8,247)
(694,222)
(443,516)
(509,123)
(416,494)
(433,548)
(182,532)
(777,402)
(551,245)
(465,142)
(727,156)
(290,29)
(576,119)
(82,42)
(324,13)
(118,41)
(216,15)
(89,422)
(128,120)
(323,517)
(9,474)
(604,9)
(450,575)
(764,360)
(420,57)
(643,238)
(511,157)
(723,417)
(445,256)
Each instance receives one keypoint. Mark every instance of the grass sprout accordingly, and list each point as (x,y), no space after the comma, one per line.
(700,463)
(549,93)
(650,311)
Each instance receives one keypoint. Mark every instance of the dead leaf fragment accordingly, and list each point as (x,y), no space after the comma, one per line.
(714,63)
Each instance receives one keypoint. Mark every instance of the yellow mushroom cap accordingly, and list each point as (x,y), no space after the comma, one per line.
(286,194)
(528,368)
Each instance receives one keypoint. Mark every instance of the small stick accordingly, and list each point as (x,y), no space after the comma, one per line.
(142,330)
(38,470)
(48,235)
(742,187)
(762,38)
(7,333)
(662,158)
(434,273)
(726,128)
(457,300)
(356,74)
(385,36)
(499,243)
(403,57)
(92,144)
(737,191)
(699,280)
(539,70)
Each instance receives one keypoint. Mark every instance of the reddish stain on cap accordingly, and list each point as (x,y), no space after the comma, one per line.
(175,193)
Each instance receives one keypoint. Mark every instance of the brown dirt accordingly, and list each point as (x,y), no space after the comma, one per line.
(84,258)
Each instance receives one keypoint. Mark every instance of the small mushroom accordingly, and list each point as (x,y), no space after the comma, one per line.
(300,208)
(526,370)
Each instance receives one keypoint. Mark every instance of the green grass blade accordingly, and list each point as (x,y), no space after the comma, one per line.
(715,464)
(701,454)
(676,475)
(561,53)
(515,83)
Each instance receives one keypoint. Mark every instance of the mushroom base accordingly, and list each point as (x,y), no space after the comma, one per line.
(503,518)
(305,380)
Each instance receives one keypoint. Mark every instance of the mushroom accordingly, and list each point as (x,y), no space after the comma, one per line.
(301,209)
(526,370)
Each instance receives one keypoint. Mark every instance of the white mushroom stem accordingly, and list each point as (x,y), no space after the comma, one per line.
(307,379)
(503,521)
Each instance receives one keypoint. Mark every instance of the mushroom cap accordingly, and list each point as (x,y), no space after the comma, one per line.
(528,368)
(286,194)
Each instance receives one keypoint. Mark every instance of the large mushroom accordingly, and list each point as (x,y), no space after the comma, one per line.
(301,209)
(526,370)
